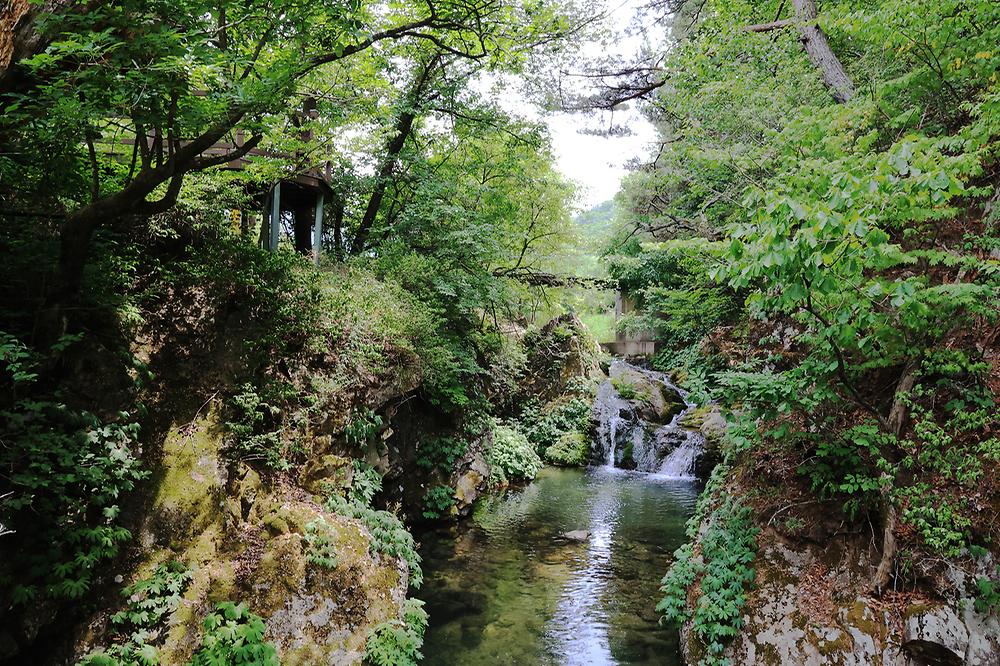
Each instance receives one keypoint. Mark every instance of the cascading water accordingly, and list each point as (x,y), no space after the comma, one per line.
(680,464)
(611,412)
(642,430)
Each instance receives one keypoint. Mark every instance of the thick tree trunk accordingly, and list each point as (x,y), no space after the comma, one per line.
(820,54)
(338,228)
(19,36)
(403,129)
(887,509)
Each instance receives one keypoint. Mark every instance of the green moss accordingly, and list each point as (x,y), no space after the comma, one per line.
(860,616)
(189,484)
(695,417)
(571,449)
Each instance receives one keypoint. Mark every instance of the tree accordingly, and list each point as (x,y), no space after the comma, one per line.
(175,79)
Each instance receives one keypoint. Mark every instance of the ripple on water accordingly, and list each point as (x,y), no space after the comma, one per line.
(507,589)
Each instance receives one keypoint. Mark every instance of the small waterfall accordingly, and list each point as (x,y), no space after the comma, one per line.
(681,461)
(610,411)
(631,432)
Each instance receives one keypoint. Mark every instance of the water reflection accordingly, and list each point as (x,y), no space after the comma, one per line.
(509,589)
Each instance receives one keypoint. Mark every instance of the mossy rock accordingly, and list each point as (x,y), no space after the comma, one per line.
(572,449)
(190,483)
(328,472)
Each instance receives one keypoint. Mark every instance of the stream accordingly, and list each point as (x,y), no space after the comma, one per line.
(510,586)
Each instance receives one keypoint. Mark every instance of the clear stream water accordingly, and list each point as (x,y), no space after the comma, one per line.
(505,588)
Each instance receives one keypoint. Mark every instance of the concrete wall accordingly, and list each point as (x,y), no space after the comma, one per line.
(641,343)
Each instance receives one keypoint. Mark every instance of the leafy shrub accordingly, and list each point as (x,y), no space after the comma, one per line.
(388,535)
(366,483)
(441,451)
(511,456)
(437,501)
(67,472)
(398,642)
(363,427)
(625,390)
(849,467)
(941,524)
(988,594)
(150,602)
(543,429)
(320,541)
(572,449)
(723,572)
(249,414)
(234,637)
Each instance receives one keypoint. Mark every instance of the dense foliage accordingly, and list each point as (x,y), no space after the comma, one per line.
(855,218)
(65,479)
(141,623)
(234,637)
(139,142)
(398,642)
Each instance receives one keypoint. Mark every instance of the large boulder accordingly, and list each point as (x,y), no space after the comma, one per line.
(247,539)
(559,353)
(810,606)
(936,636)
(655,400)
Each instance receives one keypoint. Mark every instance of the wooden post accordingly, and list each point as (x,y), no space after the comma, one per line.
(318,228)
(275,217)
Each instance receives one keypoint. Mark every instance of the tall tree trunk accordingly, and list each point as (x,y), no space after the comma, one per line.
(887,509)
(338,227)
(390,157)
(820,54)
(20,38)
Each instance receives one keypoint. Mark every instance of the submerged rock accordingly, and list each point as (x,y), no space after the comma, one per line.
(576,535)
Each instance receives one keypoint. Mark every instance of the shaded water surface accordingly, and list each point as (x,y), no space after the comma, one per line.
(506,588)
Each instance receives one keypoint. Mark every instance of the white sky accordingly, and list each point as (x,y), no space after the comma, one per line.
(598,163)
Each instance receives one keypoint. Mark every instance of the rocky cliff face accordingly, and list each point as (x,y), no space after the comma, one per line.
(811,605)
(245,536)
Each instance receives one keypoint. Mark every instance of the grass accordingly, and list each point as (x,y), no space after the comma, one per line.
(600,324)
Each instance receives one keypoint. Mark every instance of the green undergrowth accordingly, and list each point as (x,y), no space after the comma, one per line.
(571,450)
(397,642)
(66,472)
(321,539)
(142,624)
(437,501)
(388,534)
(544,427)
(234,637)
(511,457)
(719,564)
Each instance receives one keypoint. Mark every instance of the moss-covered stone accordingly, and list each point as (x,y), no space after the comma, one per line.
(190,483)
(327,472)
(572,449)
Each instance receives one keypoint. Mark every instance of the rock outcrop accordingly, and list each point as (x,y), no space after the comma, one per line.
(810,607)
(561,352)
(244,538)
